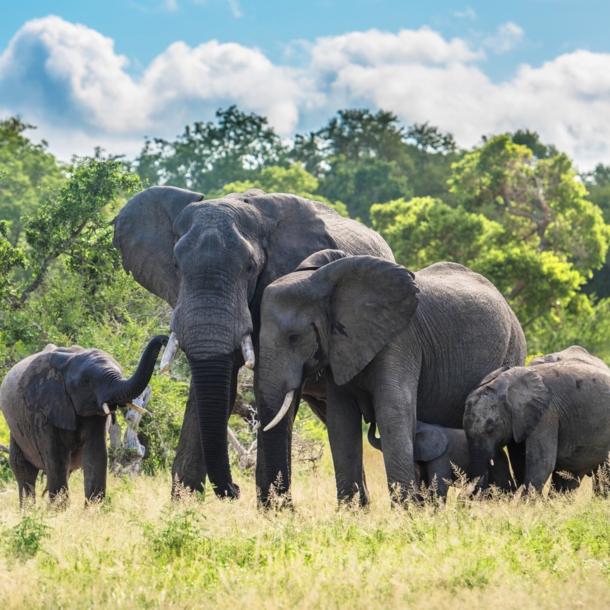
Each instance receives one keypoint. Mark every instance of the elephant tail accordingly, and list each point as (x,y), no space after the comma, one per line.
(375,442)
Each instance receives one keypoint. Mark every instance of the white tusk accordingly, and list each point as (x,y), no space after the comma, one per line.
(247,349)
(106,409)
(170,352)
(138,408)
(256,427)
(281,412)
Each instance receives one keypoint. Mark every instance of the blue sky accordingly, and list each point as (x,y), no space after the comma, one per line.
(111,72)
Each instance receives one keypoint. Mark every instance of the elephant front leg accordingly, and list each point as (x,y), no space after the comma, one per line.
(57,463)
(24,472)
(541,453)
(395,412)
(188,469)
(95,464)
(344,422)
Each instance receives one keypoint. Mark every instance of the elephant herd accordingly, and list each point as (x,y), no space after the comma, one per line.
(315,304)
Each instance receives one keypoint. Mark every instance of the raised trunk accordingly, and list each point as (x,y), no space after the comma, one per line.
(129,389)
(212,382)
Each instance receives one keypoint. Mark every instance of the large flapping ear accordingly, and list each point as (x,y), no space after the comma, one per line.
(44,391)
(296,230)
(144,235)
(371,300)
(430,442)
(321,258)
(528,398)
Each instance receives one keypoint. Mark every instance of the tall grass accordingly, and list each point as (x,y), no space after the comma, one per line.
(138,550)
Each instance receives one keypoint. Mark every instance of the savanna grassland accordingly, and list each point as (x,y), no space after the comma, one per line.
(138,550)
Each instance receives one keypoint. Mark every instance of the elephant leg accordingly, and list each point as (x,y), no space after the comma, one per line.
(57,461)
(188,470)
(395,411)
(440,474)
(344,422)
(563,485)
(499,473)
(95,463)
(24,472)
(541,453)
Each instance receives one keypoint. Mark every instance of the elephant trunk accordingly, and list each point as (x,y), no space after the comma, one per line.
(479,466)
(277,443)
(212,382)
(126,390)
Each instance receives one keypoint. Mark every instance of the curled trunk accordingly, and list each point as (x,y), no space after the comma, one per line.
(127,390)
(212,382)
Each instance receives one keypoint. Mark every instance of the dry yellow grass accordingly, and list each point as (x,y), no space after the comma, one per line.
(139,551)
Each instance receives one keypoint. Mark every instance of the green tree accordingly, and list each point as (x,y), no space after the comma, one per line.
(524,223)
(28,174)
(209,155)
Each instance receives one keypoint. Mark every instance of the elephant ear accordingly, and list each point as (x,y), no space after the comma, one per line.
(321,258)
(144,235)
(528,399)
(44,391)
(371,300)
(430,442)
(493,375)
(295,231)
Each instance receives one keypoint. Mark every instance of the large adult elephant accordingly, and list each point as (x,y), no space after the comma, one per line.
(211,261)
(392,345)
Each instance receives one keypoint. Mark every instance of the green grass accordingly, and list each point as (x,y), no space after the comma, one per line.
(138,550)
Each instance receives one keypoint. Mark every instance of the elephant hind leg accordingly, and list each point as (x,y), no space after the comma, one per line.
(24,472)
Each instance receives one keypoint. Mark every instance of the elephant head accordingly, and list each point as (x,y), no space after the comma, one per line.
(64,383)
(338,316)
(211,260)
(507,405)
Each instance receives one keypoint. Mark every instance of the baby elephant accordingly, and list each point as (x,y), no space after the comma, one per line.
(56,404)
(559,406)
(437,450)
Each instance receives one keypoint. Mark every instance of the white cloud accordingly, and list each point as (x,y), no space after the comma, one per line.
(171,5)
(235,10)
(507,37)
(469,13)
(69,80)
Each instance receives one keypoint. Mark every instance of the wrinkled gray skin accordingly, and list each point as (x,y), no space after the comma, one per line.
(52,402)
(558,407)
(211,260)
(392,346)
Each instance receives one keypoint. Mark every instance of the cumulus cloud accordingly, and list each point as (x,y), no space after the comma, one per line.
(507,37)
(69,80)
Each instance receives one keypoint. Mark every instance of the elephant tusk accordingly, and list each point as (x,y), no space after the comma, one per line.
(247,349)
(276,420)
(138,408)
(170,352)
(106,409)
(257,426)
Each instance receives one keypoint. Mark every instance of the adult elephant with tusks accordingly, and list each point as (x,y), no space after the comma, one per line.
(211,261)
(392,345)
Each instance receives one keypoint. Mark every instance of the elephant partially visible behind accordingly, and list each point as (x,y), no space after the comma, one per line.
(558,407)
(57,403)
(439,451)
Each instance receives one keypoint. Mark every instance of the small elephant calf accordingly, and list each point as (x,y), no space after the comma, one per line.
(438,449)
(56,404)
(558,406)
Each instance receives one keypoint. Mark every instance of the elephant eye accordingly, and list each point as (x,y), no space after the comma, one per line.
(250,269)
(293,338)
